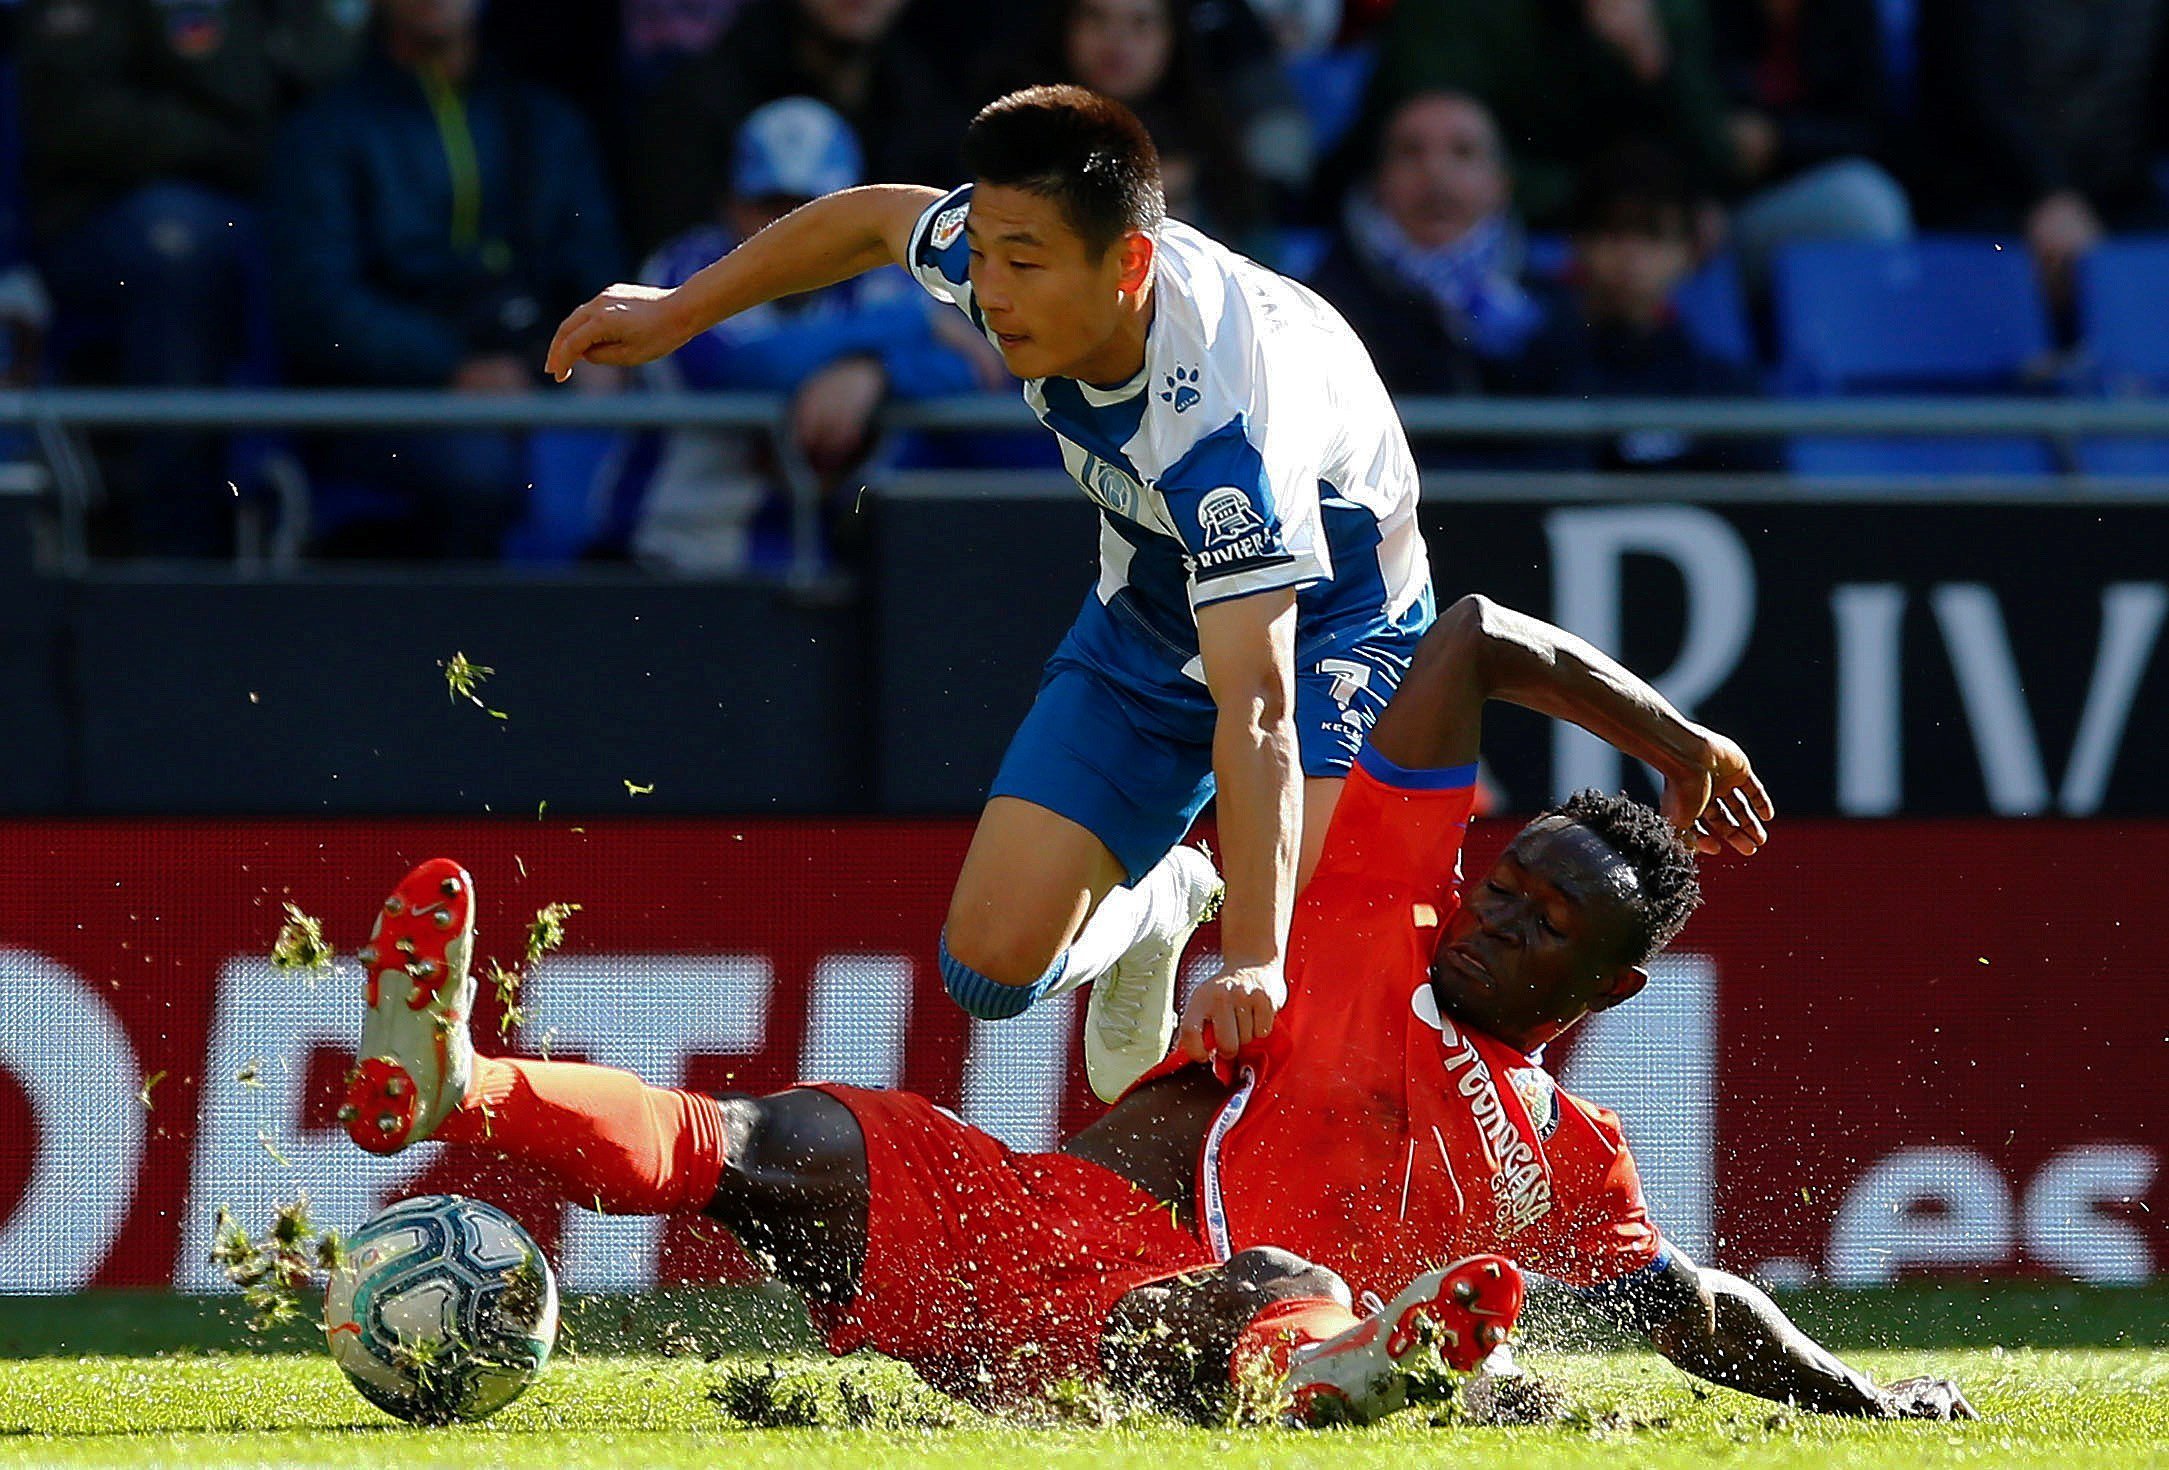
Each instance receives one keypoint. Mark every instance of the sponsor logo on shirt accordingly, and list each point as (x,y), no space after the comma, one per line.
(1519,1184)
(1180,388)
(1226,515)
(947,226)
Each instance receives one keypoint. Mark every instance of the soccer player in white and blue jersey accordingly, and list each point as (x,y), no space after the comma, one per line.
(1262,579)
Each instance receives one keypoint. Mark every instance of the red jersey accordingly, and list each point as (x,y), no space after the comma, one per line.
(1376,1137)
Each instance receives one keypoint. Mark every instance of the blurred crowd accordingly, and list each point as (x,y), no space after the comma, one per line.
(1503,196)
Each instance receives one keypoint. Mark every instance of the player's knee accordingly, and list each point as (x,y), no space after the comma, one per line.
(994,971)
(1267,1274)
(796,1142)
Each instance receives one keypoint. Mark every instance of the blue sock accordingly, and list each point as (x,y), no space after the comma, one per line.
(990,1000)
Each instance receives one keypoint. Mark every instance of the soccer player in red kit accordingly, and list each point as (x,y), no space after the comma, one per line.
(1219,1216)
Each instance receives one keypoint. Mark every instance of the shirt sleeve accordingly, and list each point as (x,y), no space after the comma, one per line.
(1599,1234)
(1401,829)
(1243,528)
(937,256)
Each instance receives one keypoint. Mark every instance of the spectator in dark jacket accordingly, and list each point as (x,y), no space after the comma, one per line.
(1616,334)
(1563,77)
(432,219)
(145,128)
(842,52)
(1426,264)
(2042,120)
(1804,80)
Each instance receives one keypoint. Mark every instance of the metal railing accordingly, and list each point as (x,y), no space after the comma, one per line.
(56,418)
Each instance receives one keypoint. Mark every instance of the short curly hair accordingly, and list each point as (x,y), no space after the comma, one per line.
(1660,857)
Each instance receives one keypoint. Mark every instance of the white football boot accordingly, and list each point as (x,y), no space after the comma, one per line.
(416,1055)
(1453,1316)
(1130,1018)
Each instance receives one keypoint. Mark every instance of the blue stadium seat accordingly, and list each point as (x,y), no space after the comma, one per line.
(2123,291)
(2123,305)
(1712,305)
(1926,317)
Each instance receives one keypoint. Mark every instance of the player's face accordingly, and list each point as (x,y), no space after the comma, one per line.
(1544,938)
(1054,307)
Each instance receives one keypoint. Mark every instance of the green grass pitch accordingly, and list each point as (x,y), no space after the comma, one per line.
(2062,1377)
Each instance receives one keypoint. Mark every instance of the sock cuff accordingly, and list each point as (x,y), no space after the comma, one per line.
(1282,1327)
(990,1000)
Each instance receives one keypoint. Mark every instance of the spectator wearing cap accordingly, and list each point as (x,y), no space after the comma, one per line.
(838,353)
(846,53)
(145,131)
(431,219)
(1426,263)
(1616,333)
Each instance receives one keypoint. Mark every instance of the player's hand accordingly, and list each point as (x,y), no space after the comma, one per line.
(1718,801)
(1926,1398)
(623,327)
(833,414)
(1231,1010)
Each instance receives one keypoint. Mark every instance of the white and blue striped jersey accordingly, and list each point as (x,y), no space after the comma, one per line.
(1256,449)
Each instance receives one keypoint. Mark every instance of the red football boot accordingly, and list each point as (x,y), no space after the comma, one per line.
(416,1055)
(1454,1315)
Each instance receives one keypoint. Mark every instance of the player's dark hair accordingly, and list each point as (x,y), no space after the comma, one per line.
(1087,153)
(1660,857)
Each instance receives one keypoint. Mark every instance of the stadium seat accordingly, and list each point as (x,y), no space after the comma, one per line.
(1712,305)
(2123,293)
(1925,317)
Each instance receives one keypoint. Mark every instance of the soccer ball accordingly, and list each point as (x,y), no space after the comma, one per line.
(444,1309)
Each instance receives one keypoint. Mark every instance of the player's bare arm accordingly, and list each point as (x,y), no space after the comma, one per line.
(1721,1328)
(1248,647)
(1480,650)
(818,244)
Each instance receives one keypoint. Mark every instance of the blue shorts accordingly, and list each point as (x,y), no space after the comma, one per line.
(1134,769)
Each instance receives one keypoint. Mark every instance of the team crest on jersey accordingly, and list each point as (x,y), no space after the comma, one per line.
(1226,515)
(1539,1097)
(947,226)
(1108,485)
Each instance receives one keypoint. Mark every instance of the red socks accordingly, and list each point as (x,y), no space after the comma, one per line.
(612,1142)
(1275,1333)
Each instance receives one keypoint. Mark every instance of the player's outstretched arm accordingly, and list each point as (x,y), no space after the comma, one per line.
(1479,651)
(1718,1327)
(818,244)
(1248,645)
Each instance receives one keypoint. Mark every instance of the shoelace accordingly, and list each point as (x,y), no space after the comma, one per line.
(1122,1012)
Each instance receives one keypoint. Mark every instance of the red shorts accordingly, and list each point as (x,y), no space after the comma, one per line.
(992,1272)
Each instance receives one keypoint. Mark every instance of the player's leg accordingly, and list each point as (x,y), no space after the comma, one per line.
(1269,1321)
(786,1173)
(1070,868)
(1337,701)
(1030,880)
(1320,795)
